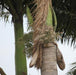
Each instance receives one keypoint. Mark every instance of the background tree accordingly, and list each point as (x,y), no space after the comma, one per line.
(17,9)
(72,71)
(66,17)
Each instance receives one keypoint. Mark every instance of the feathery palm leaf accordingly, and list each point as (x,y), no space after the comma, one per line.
(72,71)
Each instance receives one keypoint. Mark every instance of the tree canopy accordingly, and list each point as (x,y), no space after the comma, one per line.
(66,16)
(65,11)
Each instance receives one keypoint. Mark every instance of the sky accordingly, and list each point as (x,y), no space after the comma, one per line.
(7,50)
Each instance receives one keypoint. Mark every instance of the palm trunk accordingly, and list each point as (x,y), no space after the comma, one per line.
(49,66)
(20,58)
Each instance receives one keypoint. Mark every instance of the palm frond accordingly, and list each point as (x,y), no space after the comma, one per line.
(2,72)
(72,71)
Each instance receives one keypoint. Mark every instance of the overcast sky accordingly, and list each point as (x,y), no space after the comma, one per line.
(7,50)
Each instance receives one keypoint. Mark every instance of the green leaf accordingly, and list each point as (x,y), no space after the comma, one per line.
(55,19)
(49,20)
(28,13)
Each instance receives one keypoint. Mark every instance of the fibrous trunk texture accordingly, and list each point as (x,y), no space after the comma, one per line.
(20,58)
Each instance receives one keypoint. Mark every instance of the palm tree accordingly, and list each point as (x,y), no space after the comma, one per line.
(17,9)
(66,16)
(45,51)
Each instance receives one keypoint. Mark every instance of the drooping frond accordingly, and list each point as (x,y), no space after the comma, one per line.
(40,14)
(72,71)
(60,60)
(2,72)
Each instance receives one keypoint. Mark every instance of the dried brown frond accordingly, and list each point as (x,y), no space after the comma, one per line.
(60,60)
(37,55)
(39,59)
(2,72)
(40,14)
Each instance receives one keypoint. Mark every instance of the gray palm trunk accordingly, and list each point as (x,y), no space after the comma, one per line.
(51,57)
(49,64)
